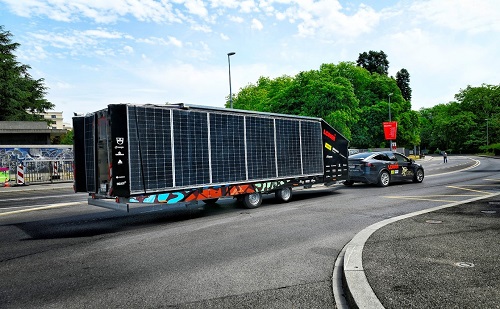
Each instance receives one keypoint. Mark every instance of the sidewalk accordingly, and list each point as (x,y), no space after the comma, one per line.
(446,257)
(37,187)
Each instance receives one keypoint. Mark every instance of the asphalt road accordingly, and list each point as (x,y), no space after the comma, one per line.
(58,252)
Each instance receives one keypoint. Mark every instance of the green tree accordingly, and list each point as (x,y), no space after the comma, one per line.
(67,138)
(403,81)
(465,125)
(374,62)
(21,96)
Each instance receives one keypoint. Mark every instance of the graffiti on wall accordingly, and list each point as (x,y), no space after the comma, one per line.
(16,155)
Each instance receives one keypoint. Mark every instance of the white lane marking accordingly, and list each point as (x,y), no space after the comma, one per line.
(36,208)
(35,197)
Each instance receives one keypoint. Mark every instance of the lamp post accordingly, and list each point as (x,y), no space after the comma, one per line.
(390,141)
(230,91)
(390,94)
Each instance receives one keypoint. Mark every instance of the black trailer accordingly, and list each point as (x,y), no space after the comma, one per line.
(150,154)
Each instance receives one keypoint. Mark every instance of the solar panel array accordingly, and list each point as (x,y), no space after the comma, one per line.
(173,148)
(89,144)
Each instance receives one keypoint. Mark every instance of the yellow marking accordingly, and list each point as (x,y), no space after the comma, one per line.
(328,146)
(39,208)
(468,189)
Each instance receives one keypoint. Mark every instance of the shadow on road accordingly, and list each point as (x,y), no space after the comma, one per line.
(107,222)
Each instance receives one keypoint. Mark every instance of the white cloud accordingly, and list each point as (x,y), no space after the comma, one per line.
(466,15)
(257,25)
(196,7)
(247,6)
(326,18)
(99,11)
(201,28)
(224,37)
(128,49)
(236,19)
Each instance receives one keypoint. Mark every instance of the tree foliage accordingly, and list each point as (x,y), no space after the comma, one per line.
(465,125)
(403,81)
(22,98)
(374,62)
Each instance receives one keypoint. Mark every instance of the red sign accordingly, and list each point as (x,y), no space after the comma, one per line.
(390,130)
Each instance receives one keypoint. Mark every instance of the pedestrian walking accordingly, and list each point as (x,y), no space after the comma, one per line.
(445,157)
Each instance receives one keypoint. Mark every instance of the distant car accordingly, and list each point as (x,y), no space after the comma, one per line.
(382,168)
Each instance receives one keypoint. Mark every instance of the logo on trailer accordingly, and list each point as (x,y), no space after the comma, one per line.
(120,140)
(328,146)
(333,137)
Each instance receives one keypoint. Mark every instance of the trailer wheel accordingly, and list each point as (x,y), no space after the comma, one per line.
(252,200)
(284,195)
(210,201)
(348,183)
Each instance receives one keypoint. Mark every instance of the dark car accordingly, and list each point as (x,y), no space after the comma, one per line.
(382,168)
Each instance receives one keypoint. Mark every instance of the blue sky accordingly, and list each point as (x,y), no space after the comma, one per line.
(92,53)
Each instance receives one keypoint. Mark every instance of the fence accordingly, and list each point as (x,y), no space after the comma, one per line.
(40,171)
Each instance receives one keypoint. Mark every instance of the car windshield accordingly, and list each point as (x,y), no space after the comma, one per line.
(361,155)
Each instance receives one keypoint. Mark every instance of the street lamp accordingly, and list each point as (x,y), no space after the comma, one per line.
(390,94)
(230,91)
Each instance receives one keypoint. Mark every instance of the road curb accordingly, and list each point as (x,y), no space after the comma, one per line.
(356,287)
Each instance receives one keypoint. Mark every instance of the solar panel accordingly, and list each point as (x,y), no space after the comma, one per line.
(260,148)
(150,149)
(288,147)
(312,146)
(190,148)
(227,143)
(89,141)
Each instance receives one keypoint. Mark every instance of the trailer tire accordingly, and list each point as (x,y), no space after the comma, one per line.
(284,195)
(252,200)
(211,201)
(348,183)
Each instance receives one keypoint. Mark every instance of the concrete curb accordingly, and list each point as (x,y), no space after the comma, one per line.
(356,287)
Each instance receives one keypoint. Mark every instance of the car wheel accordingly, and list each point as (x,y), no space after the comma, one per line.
(419,176)
(284,195)
(348,183)
(252,200)
(383,179)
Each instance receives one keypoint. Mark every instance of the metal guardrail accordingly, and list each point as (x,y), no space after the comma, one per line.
(40,171)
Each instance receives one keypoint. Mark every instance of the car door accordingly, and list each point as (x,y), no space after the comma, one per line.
(405,167)
(393,166)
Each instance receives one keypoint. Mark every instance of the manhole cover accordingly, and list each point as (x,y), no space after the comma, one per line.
(464,264)
(489,211)
(434,221)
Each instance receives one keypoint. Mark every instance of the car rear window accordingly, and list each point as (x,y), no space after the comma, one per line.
(381,157)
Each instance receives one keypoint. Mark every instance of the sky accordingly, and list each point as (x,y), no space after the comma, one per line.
(92,53)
